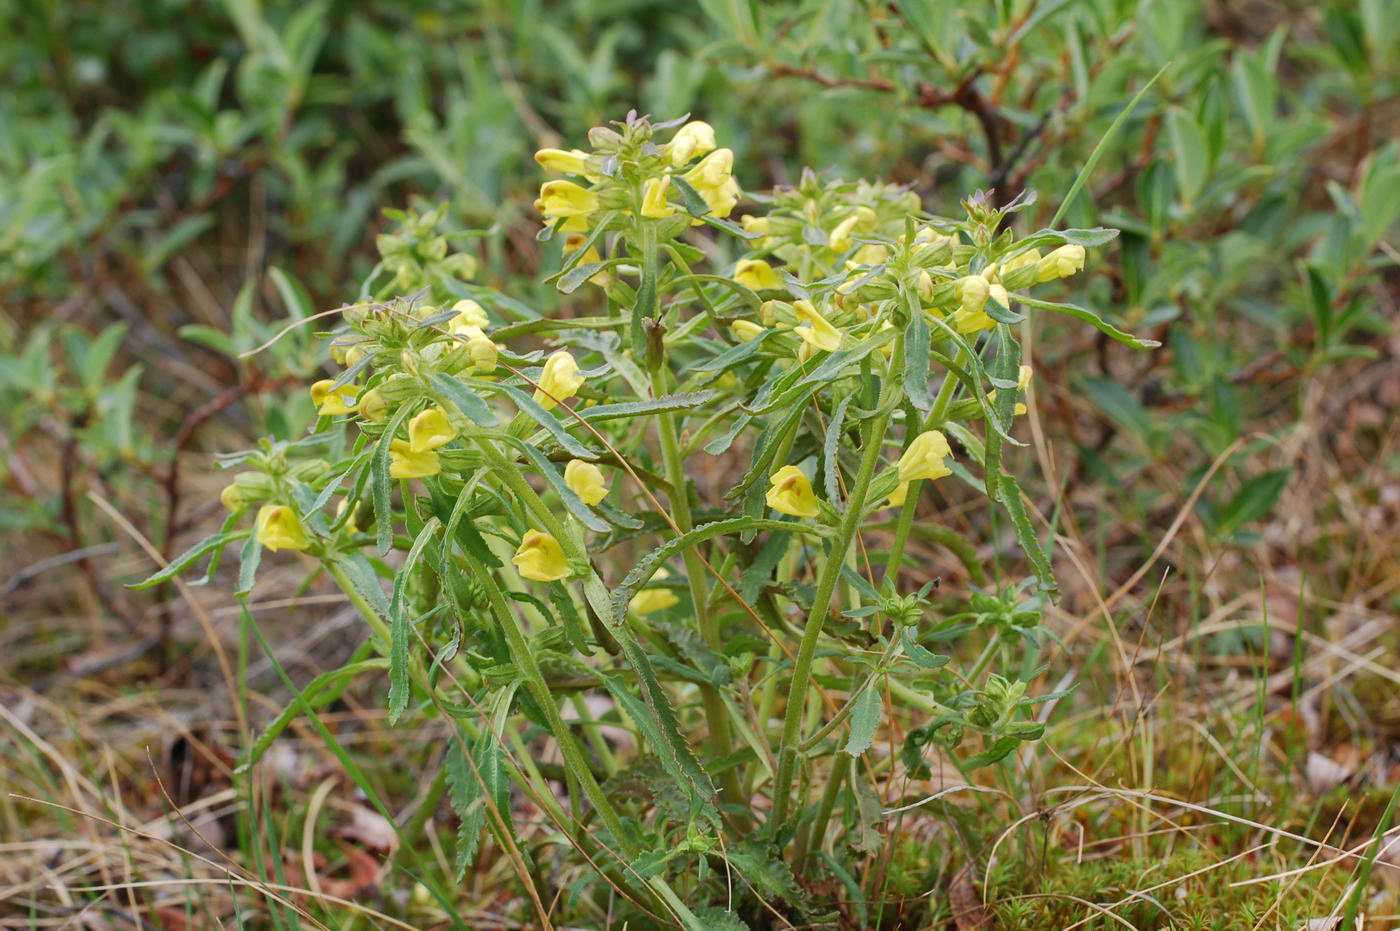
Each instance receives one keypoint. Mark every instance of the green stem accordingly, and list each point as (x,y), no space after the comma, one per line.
(821,605)
(716,715)
(811,837)
(905,521)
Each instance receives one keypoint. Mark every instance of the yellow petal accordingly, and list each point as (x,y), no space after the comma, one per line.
(429,430)
(541,558)
(924,459)
(279,529)
(757,274)
(649,600)
(559,380)
(331,401)
(405,463)
(694,139)
(791,493)
(586,481)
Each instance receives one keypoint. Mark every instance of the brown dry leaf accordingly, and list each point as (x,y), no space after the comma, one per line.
(969,914)
(367,827)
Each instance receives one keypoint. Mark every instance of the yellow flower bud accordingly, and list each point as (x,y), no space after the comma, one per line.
(469,313)
(405,463)
(791,493)
(759,225)
(585,480)
(872,253)
(278,528)
(757,274)
(817,332)
(565,199)
(559,380)
(331,401)
(232,497)
(768,312)
(746,331)
(352,523)
(649,600)
(429,430)
(353,355)
(924,285)
(711,178)
(970,317)
(654,205)
(541,558)
(1020,261)
(694,139)
(1061,262)
(372,405)
(569,162)
(924,459)
(866,219)
(840,238)
(483,351)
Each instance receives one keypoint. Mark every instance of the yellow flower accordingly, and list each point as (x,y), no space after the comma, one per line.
(481,348)
(693,139)
(746,331)
(759,225)
(565,199)
(405,463)
(469,313)
(559,380)
(430,429)
(655,599)
(711,178)
(1061,262)
(654,205)
(279,529)
(372,405)
(1025,258)
(331,401)
(569,162)
(872,253)
(898,496)
(924,457)
(541,558)
(818,333)
(353,355)
(840,238)
(792,493)
(232,497)
(924,285)
(757,274)
(970,317)
(585,480)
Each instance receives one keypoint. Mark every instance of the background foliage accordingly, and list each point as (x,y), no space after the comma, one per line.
(178,178)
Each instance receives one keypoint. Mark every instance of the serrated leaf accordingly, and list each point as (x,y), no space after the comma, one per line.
(865,717)
(190,556)
(472,405)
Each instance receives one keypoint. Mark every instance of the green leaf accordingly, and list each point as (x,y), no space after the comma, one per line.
(646,568)
(919,654)
(683,401)
(467,401)
(1088,316)
(1254,500)
(916,346)
(1009,494)
(332,684)
(399,624)
(865,717)
(1102,147)
(581,272)
(831,464)
(380,483)
(998,751)
(1190,151)
(544,418)
(215,541)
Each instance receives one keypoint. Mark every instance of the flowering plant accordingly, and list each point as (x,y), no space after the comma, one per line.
(529,485)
